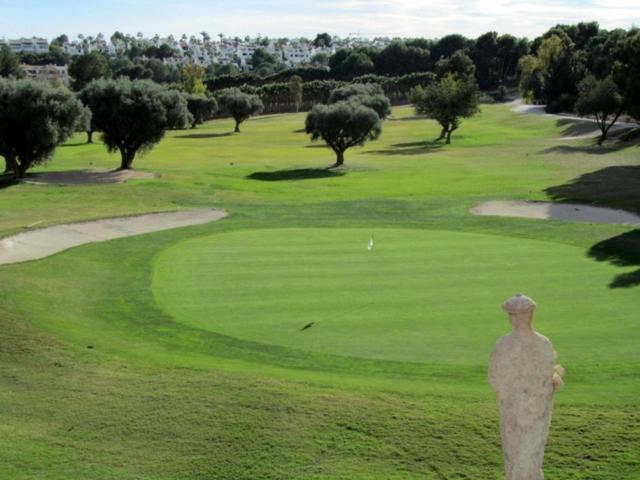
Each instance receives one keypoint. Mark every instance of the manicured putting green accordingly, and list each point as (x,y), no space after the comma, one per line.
(419,295)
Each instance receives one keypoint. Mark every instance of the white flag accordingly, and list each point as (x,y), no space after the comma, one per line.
(370,246)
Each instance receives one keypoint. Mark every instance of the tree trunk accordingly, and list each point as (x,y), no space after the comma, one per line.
(127,159)
(443,133)
(449,137)
(21,169)
(237,129)
(339,160)
(89,136)
(602,138)
(10,164)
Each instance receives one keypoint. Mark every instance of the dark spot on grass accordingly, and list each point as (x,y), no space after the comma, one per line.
(295,174)
(204,135)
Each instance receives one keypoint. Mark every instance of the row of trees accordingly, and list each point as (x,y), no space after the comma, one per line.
(296,94)
(353,113)
(587,70)
(132,115)
(92,66)
(495,58)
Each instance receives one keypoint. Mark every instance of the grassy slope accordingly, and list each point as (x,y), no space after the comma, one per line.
(154,399)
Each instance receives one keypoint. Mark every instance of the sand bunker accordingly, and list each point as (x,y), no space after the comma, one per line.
(87,177)
(43,242)
(556,211)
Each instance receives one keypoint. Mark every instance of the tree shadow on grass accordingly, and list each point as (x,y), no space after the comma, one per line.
(591,149)
(7,180)
(616,187)
(623,251)
(295,174)
(408,119)
(411,148)
(575,128)
(205,135)
(618,139)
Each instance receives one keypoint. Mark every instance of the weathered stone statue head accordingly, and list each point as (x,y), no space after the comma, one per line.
(520,309)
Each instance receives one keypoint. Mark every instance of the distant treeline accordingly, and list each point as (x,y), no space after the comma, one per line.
(561,60)
(275,91)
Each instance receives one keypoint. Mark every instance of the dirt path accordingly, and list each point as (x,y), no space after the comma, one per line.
(42,242)
(557,211)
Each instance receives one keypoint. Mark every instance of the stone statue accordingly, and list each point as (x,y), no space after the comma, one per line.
(524,377)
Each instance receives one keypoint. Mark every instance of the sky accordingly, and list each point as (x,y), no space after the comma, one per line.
(290,18)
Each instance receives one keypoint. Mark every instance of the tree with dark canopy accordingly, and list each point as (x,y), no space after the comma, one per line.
(367,94)
(626,72)
(448,45)
(343,125)
(447,101)
(602,100)
(177,107)
(202,108)
(354,89)
(351,63)
(264,63)
(9,63)
(34,119)
(132,115)
(239,105)
(400,58)
(322,40)
(459,65)
(86,68)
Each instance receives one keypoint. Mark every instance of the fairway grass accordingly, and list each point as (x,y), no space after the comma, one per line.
(181,354)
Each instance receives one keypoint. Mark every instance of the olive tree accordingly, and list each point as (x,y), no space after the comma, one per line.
(354,90)
(201,107)
(343,125)
(368,94)
(177,107)
(132,115)
(239,105)
(34,119)
(89,96)
(447,101)
(602,100)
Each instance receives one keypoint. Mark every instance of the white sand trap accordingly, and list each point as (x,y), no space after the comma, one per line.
(556,211)
(87,177)
(43,242)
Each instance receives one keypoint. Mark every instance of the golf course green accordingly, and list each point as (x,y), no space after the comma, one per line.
(412,298)
(275,343)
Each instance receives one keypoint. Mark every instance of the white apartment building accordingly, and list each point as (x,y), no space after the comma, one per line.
(31,45)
